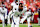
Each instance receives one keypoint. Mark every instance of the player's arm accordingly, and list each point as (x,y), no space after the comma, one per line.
(11,6)
(9,16)
(8,19)
(5,13)
(24,9)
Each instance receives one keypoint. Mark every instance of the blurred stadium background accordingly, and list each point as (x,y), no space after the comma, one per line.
(35,4)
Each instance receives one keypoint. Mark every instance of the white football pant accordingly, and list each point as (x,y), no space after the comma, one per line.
(16,21)
(28,21)
(2,18)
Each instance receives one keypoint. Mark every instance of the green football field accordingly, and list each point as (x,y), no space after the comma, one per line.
(22,25)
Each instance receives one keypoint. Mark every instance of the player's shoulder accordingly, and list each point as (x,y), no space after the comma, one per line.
(13,3)
(5,8)
(25,8)
(10,12)
(0,8)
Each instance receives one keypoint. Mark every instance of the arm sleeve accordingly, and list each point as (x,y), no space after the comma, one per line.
(11,4)
(5,13)
(8,19)
(9,16)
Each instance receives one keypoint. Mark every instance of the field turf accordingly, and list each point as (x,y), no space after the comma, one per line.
(22,25)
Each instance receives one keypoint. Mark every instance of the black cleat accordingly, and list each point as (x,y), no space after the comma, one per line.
(30,26)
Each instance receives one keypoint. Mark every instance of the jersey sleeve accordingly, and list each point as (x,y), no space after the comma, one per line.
(11,4)
(5,13)
(9,14)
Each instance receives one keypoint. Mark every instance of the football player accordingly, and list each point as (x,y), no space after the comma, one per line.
(3,11)
(15,14)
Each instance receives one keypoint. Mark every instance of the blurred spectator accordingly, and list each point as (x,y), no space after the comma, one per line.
(39,17)
(0,2)
(39,12)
